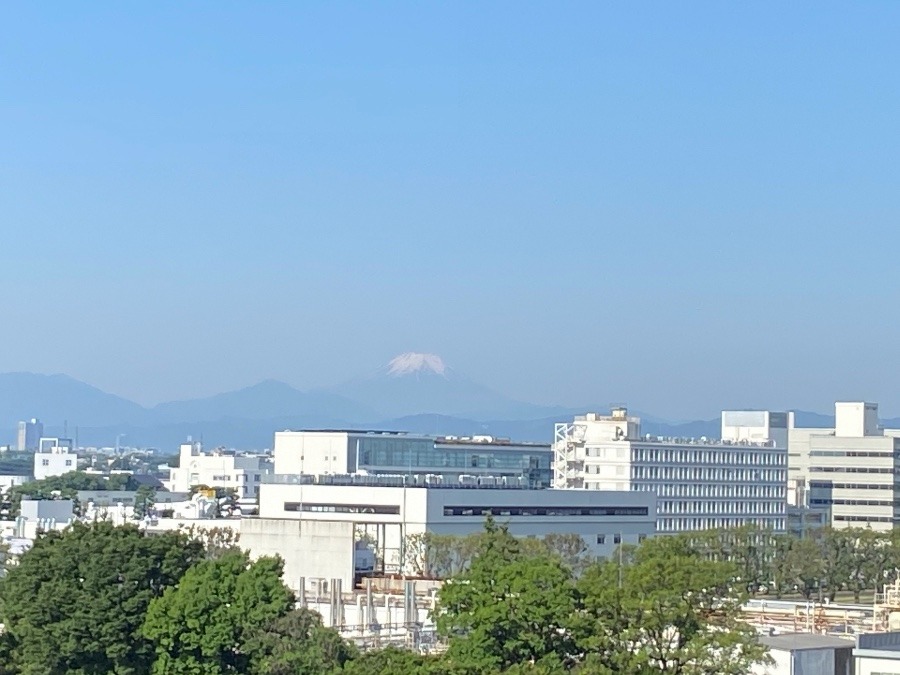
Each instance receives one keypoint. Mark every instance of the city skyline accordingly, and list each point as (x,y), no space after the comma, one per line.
(686,209)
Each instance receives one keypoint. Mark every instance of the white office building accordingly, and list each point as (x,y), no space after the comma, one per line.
(217,469)
(54,457)
(392,453)
(699,484)
(314,522)
(853,469)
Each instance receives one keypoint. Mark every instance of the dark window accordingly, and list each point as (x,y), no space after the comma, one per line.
(601,538)
(341,508)
(551,511)
(617,539)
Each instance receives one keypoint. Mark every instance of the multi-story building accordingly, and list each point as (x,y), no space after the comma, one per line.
(853,469)
(217,469)
(699,484)
(29,435)
(397,453)
(54,457)
(315,522)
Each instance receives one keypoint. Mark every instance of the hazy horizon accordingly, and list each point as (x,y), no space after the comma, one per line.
(682,207)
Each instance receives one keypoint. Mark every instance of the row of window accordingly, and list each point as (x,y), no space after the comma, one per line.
(714,490)
(545,511)
(342,508)
(854,502)
(409,454)
(865,519)
(696,473)
(853,453)
(828,485)
(736,507)
(701,455)
(853,469)
(688,524)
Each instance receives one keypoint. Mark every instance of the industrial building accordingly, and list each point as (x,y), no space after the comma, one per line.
(699,483)
(315,522)
(388,452)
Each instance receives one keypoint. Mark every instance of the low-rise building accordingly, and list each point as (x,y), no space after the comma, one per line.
(807,654)
(700,484)
(218,469)
(54,457)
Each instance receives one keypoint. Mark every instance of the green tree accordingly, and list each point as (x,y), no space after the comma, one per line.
(75,602)
(144,500)
(67,486)
(200,627)
(667,610)
(297,642)
(396,662)
(507,608)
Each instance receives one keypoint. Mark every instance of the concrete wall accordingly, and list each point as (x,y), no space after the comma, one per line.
(309,549)
(311,452)
(41,509)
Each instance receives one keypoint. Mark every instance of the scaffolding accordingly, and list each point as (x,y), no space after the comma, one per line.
(568,462)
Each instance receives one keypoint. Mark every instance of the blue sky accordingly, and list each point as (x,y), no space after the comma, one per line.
(682,206)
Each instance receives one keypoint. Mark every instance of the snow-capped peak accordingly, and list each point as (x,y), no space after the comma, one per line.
(413,362)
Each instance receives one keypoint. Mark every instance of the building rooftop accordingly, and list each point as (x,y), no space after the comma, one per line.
(361,432)
(490,441)
(801,641)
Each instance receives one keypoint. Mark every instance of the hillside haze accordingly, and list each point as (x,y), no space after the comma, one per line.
(415,392)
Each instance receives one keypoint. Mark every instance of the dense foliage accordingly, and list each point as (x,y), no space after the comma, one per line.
(76,601)
(102,599)
(67,486)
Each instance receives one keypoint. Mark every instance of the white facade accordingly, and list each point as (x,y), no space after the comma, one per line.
(756,426)
(382,452)
(852,470)
(54,457)
(699,484)
(387,510)
(242,473)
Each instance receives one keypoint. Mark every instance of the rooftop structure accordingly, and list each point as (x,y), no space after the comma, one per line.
(700,483)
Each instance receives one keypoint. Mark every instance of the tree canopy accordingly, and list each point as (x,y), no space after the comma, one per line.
(200,625)
(76,601)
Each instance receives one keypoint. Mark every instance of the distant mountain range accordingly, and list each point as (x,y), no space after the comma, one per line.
(414,392)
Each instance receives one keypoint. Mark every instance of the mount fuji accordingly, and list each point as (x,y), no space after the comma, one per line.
(416,383)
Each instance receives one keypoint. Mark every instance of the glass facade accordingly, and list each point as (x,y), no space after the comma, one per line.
(401,455)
